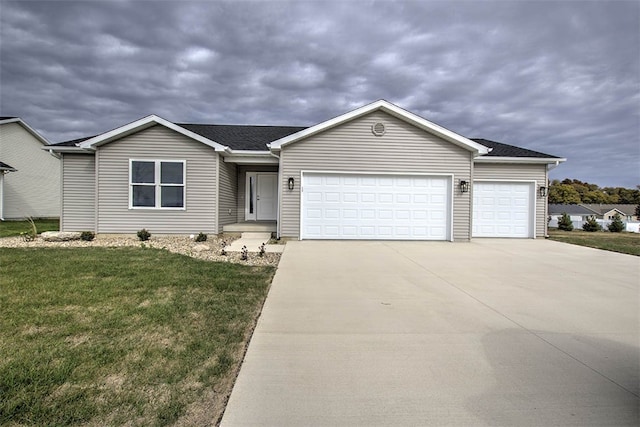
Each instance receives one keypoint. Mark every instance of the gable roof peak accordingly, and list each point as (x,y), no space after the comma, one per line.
(388,108)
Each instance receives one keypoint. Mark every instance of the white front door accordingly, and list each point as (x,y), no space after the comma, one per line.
(261,196)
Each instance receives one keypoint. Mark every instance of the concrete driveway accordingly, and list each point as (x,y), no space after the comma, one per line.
(494,332)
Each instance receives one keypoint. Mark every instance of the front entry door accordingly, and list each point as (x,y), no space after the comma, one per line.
(262,196)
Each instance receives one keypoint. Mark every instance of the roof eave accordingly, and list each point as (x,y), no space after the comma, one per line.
(250,157)
(28,128)
(538,160)
(67,149)
(144,123)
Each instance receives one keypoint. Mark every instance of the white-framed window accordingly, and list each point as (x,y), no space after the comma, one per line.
(157,184)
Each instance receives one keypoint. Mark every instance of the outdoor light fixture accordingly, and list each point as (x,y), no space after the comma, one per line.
(290,182)
(543,191)
(464,186)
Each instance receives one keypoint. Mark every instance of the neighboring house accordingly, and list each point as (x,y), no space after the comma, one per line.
(32,189)
(581,212)
(377,172)
(608,211)
(4,169)
(577,213)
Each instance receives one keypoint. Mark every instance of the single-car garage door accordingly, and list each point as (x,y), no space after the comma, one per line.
(502,209)
(377,207)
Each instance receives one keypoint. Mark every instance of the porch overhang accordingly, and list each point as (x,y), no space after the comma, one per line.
(246,157)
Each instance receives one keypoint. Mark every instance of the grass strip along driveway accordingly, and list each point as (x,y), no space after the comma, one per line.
(626,243)
(110,336)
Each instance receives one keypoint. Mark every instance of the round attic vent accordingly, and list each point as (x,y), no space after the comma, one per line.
(378,129)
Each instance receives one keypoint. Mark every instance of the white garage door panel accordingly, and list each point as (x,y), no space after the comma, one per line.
(502,209)
(392,207)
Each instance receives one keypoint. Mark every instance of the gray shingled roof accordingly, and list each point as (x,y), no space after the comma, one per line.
(256,138)
(242,137)
(559,209)
(73,142)
(604,208)
(505,150)
(6,167)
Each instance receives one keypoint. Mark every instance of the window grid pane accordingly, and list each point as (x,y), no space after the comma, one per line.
(172,196)
(171,173)
(144,196)
(143,172)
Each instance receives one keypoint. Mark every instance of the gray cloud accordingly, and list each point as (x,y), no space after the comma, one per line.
(558,77)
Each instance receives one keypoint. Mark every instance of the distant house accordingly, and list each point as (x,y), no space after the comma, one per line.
(29,175)
(603,214)
(608,211)
(575,212)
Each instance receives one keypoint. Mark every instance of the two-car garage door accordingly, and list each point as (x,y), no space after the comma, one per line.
(380,207)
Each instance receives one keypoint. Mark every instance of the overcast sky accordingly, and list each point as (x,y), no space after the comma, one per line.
(558,77)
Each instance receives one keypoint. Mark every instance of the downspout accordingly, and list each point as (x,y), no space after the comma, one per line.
(278,231)
(1,195)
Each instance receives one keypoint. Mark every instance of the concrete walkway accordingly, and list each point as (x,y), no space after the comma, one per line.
(494,332)
(252,241)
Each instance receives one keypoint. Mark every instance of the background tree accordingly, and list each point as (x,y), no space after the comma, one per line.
(591,224)
(565,223)
(564,193)
(616,225)
(572,191)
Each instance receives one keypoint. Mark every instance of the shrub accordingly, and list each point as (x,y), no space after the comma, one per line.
(591,224)
(565,223)
(87,236)
(616,225)
(201,237)
(143,235)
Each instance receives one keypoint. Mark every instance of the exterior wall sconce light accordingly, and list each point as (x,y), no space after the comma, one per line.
(464,186)
(290,183)
(543,191)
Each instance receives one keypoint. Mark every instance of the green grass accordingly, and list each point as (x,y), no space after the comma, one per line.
(112,336)
(14,228)
(626,243)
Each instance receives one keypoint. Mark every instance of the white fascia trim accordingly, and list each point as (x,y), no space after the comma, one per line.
(146,122)
(248,157)
(29,129)
(538,160)
(395,111)
(66,149)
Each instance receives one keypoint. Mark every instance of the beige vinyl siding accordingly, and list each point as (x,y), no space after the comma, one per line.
(157,143)
(78,192)
(34,190)
(403,149)
(242,185)
(228,189)
(519,172)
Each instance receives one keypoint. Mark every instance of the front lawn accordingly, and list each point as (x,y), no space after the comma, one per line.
(112,336)
(14,228)
(626,243)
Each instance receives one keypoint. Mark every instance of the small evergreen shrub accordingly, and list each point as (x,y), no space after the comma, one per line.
(201,237)
(565,222)
(143,235)
(87,236)
(591,224)
(616,225)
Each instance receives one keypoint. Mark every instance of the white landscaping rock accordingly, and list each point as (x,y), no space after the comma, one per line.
(60,236)
(201,247)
